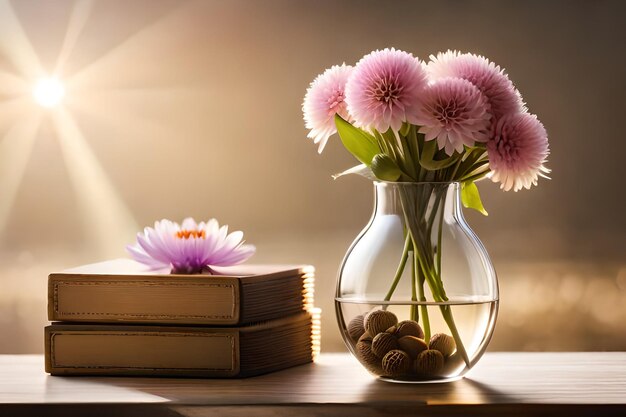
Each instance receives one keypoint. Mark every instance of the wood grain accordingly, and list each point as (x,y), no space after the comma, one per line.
(511,384)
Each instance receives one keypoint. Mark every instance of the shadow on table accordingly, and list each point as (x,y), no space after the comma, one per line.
(464,391)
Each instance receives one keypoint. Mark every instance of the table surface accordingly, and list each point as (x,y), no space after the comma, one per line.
(501,384)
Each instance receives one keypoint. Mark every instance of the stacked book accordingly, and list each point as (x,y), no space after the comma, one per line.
(120,318)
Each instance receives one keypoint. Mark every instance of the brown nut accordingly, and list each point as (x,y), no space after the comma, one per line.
(453,363)
(367,357)
(443,343)
(380,320)
(412,345)
(409,328)
(396,363)
(355,327)
(366,337)
(428,363)
(383,343)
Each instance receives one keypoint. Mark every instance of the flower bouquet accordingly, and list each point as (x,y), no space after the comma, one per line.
(425,133)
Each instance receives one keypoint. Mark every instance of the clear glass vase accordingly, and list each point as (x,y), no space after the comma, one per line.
(417,295)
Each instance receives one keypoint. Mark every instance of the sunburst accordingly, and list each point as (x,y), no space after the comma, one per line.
(28,94)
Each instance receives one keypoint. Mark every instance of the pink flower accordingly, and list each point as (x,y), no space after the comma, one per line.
(518,150)
(382,91)
(324,98)
(191,248)
(487,76)
(453,111)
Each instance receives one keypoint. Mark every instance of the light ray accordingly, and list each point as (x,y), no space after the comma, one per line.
(109,223)
(11,85)
(15,150)
(99,68)
(129,104)
(13,109)
(80,14)
(15,44)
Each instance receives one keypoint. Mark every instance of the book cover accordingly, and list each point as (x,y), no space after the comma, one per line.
(105,349)
(125,291)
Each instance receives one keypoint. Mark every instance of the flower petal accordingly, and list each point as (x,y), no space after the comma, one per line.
(191,252)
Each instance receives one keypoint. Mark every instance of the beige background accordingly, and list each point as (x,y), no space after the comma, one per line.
(181,108)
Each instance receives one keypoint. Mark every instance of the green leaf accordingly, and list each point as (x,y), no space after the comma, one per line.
(385,168)
(358,142)
(427,157)
(470,197)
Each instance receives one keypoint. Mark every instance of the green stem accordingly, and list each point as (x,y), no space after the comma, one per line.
(423,308)
(400,269)
(414,315)
(439,249)
(433,213)
(476,176)
(432,275)
(469,160)
(446,312)
(456,168)
(414,148)
(426,268)
(408,158)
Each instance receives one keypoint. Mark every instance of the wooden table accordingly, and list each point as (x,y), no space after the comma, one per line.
(502,384)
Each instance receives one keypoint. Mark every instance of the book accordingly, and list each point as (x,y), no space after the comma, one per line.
(126,291)
(181,351)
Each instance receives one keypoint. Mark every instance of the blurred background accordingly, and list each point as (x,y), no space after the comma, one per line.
(193,108)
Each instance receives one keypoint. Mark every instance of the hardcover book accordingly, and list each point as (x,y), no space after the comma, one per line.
(101,349)
(126,291)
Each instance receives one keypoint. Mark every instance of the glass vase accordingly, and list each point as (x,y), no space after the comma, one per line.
(417,295)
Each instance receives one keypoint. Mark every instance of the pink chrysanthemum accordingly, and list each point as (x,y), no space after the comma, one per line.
(517,151)
(324,98)
(382,91)
(490,79)
(189,248)
(453,111)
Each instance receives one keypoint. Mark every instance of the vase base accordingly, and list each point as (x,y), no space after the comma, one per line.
(420,381)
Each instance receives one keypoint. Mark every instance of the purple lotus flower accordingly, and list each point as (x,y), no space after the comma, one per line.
(189,248)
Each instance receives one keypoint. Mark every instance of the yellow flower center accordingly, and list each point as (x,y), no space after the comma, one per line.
(187,234)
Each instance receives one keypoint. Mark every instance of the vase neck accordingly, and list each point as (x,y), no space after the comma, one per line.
(417,199)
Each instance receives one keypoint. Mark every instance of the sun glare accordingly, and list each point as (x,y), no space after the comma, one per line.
(34,85)
(48,92)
